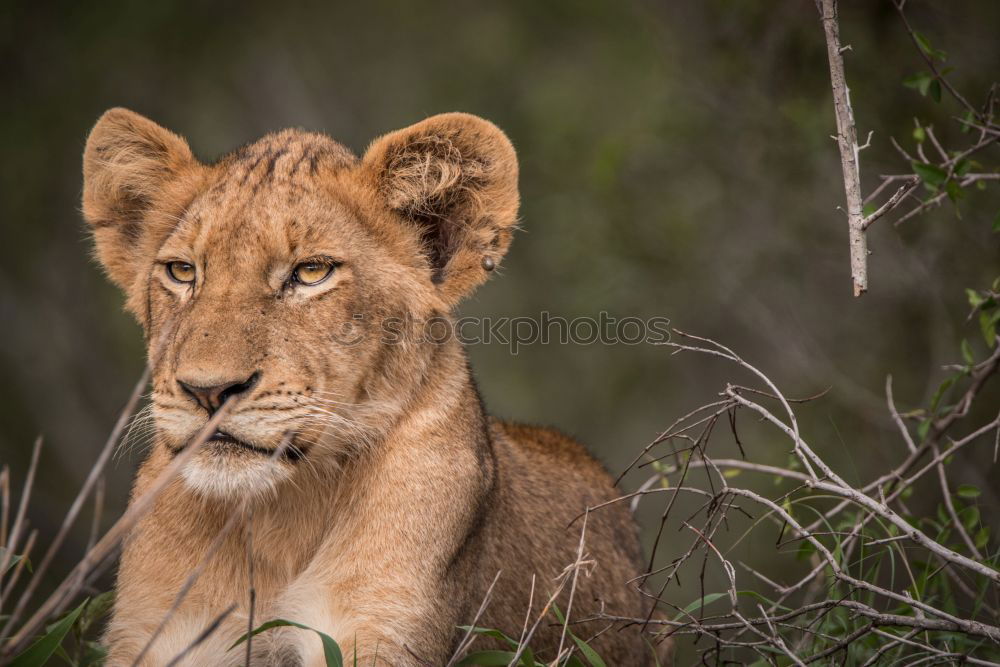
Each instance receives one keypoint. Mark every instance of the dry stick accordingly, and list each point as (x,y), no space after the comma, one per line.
(753,467)
(25,554)
(996,441)
(888,646)
(960,657)
(980,375)
(95,522)
(663,521)
(842,644)
(666,434)
(881,619)
(775,639)
(239,511)
(572,587)
(95,473)
(561,579)
(4,502)
(847,141)
(897,418)
(815,572)
(932,65)
(892,202)
(951,622)
(189,583)
(901,486)
(938,198)
(895,479)
(887,179)
(840,488)
(468,638)
(138,509)
(703,437)
(806,456)
(205,634)
(18,527)
(945,623)
(253,589)
(983,129)
(527,615)
(950,507)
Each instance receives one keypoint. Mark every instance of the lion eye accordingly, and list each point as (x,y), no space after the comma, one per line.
(181,272)
(312,273)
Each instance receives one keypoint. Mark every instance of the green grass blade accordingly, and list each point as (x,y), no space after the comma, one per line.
(487,658)
(331,650)
(39,653)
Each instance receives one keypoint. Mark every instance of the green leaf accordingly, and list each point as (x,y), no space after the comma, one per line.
(331,651)
(940,393)
(968,119)
(919,134)
(975,300)
(996,221)
(930,173)
(935,90)
(805,550)
(760,598)
(967,491)
(982,537)
(487,658)
(527,657)
(920,82)
(954,191)
(93,654)
(988,322)
(14,560)
(39,653)
(488,632)
(64,656)
(589,653)
(701,602)
(926,47)
(971,518)
(967,352)
(98,607)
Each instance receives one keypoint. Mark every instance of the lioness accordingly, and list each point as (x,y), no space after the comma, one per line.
(264,283)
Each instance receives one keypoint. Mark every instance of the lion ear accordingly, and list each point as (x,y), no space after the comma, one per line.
(454,178)
(129,165)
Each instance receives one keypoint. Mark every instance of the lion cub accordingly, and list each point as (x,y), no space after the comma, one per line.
(375,500)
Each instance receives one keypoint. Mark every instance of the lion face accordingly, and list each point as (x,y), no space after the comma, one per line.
(275,309)
(266,282)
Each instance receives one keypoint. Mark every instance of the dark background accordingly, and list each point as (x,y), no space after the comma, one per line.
(676,161)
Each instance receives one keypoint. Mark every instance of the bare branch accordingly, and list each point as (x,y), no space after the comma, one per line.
(847,141)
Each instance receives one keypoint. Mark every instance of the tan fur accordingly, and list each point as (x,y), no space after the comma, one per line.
(407,499)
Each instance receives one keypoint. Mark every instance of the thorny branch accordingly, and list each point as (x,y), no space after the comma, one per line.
(847,141)
(945,177)
(849,601)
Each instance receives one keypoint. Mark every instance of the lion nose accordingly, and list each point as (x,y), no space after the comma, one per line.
(213,396)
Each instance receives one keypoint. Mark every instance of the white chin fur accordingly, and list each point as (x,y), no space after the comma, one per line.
(227,477)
